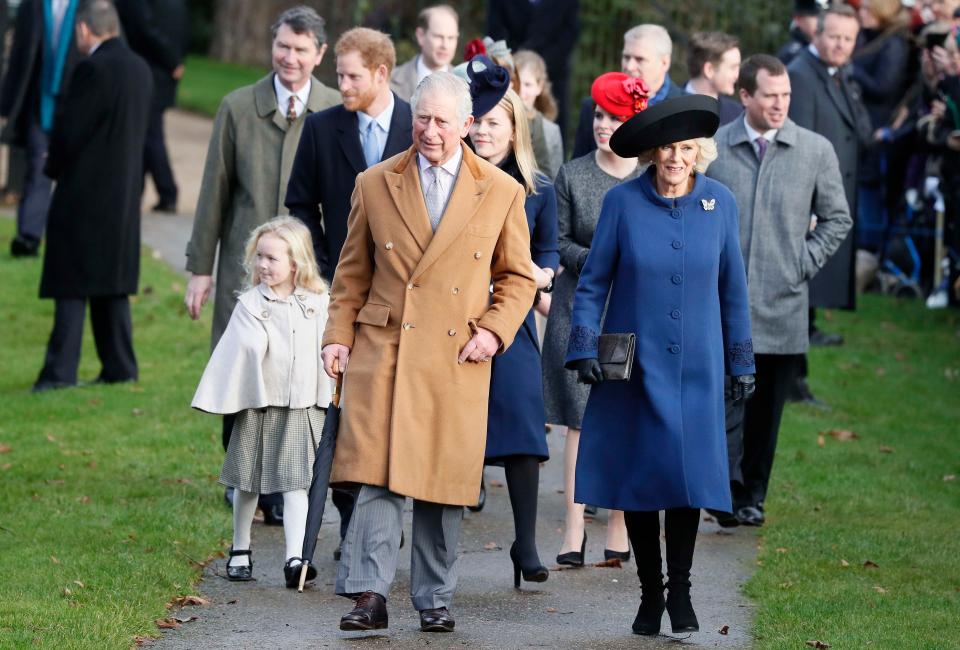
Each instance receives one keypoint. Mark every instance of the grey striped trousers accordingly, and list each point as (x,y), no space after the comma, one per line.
(372,545)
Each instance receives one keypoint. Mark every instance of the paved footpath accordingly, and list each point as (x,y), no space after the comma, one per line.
(583,608)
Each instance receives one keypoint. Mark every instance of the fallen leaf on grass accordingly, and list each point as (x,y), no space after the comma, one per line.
(884,449)
(492,546)
(6,466)
(167,624)
(821,441)
(782,550)
(84,499)
(949,477)
(92,464)
(786,585)
(54,559)
(820,645)
(66,591)
(4,448)
(183,601)
(137,412)
(870,564)
(724,630)
(899,356)
(79,584)
(56,481)
(612,563)
(844,563)
(51,438)
(842,434)
(141,641)
(879,589)
(496,483)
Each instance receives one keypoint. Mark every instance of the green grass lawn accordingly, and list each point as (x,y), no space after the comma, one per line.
(109,493)
(886,498)
(206,81)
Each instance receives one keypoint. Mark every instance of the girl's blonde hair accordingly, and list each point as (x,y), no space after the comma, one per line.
(706,154)
(522,144)
(530,60)
(299,246)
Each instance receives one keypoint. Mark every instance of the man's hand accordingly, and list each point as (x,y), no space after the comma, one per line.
(481,346)
(198,291)
(177,72)
(335,357)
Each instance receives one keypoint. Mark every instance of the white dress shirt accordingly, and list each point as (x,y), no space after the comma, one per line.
(448,174)
(58,10)
(283,96)
(753,134)
(382,128)
(423,71)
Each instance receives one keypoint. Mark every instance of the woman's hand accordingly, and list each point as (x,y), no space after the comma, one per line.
(542,277)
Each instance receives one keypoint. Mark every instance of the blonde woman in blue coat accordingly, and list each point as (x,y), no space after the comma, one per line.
(666,253)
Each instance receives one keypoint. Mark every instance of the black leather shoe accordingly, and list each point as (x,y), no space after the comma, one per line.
(291,572)
(682,617)
(167,207)
(825,339)
(23,247)
(623,556)
(574,558)
(750,516)
(436,620)
(724,519)
(369,613)
(240,573)
(650,612)
(44,386)
(272,515)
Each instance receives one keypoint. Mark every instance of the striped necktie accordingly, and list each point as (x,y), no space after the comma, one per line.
(434,197)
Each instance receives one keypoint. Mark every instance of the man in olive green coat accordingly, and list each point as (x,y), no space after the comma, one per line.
(251,152)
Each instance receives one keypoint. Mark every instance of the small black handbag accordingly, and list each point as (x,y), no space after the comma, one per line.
(616,355)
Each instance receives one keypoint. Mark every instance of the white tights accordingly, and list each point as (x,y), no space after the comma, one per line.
(295,505)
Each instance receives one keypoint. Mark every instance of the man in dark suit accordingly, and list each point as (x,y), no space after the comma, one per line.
(548,27)
(826,102)
(93,238)
(647,50)
(41,60)
(802,28)
(156,30)
(371,125)
(713,62)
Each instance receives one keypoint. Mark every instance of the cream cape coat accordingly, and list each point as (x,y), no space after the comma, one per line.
(269,355)
(406,300)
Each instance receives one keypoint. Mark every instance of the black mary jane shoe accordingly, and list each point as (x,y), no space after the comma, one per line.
(538,573)
(291,572)
(436,620)
(240,573)
(574,558)
(623,556)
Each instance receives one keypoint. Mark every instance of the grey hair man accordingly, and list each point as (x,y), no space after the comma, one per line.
(412,315)
(647,52)
(438,30)
(780,174)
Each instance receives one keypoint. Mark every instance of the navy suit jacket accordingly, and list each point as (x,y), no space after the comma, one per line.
(326,166)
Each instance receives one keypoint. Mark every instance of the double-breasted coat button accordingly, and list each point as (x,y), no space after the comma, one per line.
(388,245)
(407,326)
(477,255)
(301,297)
(310,312)
(675,349)
(410,286)
(264,313)
(677,244)
(677,278)
(456,290)
(451,332)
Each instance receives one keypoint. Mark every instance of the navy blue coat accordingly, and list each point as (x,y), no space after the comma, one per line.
(675,277)
(325,169)
(515,422)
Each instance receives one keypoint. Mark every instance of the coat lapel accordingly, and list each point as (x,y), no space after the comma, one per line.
(403,182)
(833,90)
(349,138)
(265,98)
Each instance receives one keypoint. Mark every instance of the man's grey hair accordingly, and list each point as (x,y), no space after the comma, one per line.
(302,20)
(100,16)
(445,83)
(655,34)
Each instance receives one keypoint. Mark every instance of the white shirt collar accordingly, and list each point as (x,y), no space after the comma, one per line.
(383,119)
(452,166)
(423,71)
(94,48)
(753,134)
(283,96)
(832,69)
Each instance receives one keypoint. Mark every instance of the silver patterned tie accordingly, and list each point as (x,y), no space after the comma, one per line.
(434,197)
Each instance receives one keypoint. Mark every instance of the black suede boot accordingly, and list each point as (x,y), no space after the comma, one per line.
(643,528)
(681,525)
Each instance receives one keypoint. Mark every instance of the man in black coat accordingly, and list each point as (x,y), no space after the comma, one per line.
(802,29)
(38,67)
(713,63)
(93,237)
(371,125)
(647,51)
(156,30)
(548,27)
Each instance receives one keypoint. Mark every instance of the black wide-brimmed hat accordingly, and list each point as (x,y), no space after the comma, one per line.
(489,82)
(672,120)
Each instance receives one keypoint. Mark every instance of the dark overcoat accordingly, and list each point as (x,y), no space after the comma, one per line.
(326,166)
(674,275)
(515,419)
(156,30)
(96,158)
(21,85)
(833,108)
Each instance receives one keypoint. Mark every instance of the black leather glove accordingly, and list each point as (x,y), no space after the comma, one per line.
(588,371)
(742,387)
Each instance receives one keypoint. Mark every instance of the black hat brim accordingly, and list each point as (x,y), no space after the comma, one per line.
(672,120)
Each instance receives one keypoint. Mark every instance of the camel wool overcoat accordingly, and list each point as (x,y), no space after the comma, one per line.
(406,301)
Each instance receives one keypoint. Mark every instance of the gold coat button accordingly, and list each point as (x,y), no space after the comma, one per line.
(388,245)
(452,333)
(477,255)
(410,286)
(407,326)
(456,290)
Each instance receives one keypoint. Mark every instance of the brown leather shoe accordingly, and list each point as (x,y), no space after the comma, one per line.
(436,620)
(369,613)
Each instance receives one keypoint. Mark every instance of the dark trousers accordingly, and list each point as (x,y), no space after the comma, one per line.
(112,333)
(761,424)
(156,162)
(680,531)
(733,417)
(35,199)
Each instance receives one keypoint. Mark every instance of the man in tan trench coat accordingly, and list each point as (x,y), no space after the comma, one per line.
(413,322)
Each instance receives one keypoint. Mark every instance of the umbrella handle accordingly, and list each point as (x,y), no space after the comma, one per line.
(303,577)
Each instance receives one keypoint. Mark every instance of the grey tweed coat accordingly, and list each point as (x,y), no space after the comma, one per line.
(799,176)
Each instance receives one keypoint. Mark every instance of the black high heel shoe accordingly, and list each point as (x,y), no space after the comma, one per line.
(538,573)
(574,558)
(623,556)
(240,573)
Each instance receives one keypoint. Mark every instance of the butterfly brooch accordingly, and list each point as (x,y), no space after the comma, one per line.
(708,204)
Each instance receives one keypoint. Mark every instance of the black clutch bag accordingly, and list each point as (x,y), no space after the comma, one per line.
(615,354)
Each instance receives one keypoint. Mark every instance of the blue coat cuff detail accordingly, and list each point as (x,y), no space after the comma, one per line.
(741,360)
(583,343)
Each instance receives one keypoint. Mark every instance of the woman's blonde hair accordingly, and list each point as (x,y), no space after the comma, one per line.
(530,60)
(299,246)
(706,154)
(522,144)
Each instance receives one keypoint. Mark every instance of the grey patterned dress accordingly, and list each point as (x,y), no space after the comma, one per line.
(580,185)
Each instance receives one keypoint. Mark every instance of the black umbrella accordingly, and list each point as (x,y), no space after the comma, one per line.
(321,480)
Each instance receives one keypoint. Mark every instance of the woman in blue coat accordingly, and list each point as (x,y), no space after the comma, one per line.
(516,436)
(666,253)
